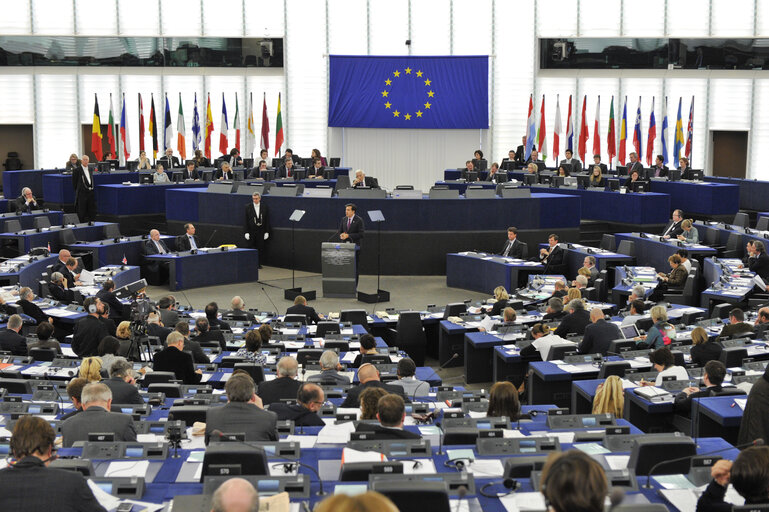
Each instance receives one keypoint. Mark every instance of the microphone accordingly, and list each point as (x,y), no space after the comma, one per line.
(188,300)
(616,497)
(290,462)
(332,236)
(757,442)
(277,313)
(455,356)
(210,237)
(461,493)
(440,439)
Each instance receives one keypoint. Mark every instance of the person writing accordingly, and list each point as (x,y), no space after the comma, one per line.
(690,234)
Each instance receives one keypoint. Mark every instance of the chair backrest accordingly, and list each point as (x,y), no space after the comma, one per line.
(626,247)
(42,222)
(762,224)
(12,226)
(711,237)
(341,345)
(559,350)
(325,328)
(306,355)
(415,496)
(454,309)
(301,319)
(153,377)
(170,390)
(70,218)
(111,231)
(741,219)
(67,236)
(256,371)
(44,290)
(734,242)
(524,250)
(43,354)
(354,316)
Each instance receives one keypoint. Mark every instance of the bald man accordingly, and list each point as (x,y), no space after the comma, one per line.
(235,495)
(368,376)
(598,334)
(157,271)
(61,266)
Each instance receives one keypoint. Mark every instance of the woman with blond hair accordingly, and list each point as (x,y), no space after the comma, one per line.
(90,369)
(609,397)
(573,293)
(690,234)
(501,296)
(703,349)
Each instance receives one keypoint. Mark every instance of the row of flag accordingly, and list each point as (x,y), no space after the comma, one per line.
(198,135)
(537,133)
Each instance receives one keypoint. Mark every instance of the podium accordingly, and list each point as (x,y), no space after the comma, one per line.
(340,269)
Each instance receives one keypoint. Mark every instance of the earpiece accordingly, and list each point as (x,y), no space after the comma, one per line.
(510,484)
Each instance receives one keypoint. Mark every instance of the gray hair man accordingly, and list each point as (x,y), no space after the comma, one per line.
(329,370)
(96,418)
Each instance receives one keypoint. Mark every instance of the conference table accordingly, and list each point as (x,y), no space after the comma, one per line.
(27,239)
(209,267)
(701,198)
(753,193)
(462,185)
(725,282)
(24,270)
(27,220)
(57,188)
(112,250)
(118,200)
(482,272)
(651,251)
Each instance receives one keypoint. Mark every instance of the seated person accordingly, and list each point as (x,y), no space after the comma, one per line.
(243,413)
(736,326)
(673,229)
(224,172)
(597,161)
(589,263)
(174,359)
(159,176)
(756,259)
(469,167)
(503,401)
(10,339)
(686,172)
(663,361)
(637,308)
(367,348)
(310,399)
(122,383)
(559,289)
(234,158)
(508,318)
(96,417)
(169,160)
(562,171)
(635,177)
(573,480)
(609,397)
(412,386)
(368,376)
(493,173)
(713,376)
(501,297)
(685,261)
(204,333)
(190,172)
(534,158)
(75,393)
(316,169)
(189,240)
(29,308)
(553,257)
(749,475)
(599,334)
(286,170)
(107,296)
(369,401)
(554,309)
(675,279)
(26,202)
(315,153)
(581,282)
(361,180)
(576,165)
(300,307)
(596,177)
(44,332)
(478,157)
(252,349)
(257,172)
(660,170)
(661,333)
(761,324)
(156,328)
(576,321)
(329,370)
(200,159)
(284,385)
(532,168)
(690,234)
(145,164)
(391,413)
(212,315)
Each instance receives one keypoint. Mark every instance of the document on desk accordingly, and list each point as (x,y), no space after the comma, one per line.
(336,434)
(86,277)
(524,501)
(60,312)
(617,461)
(685,500)
(741,402)
(486,468)
(127,468)
(105,499)
(305,442)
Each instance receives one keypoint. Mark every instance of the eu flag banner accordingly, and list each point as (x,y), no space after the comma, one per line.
(409,92)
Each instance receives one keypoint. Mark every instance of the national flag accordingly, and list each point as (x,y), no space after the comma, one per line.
(49,247)
(209,124)
(611,137)
(236,124)
(583,131)
(651,137)
(278,130)
(141,123)
(637,130)
(153,127)
(264,142)
(96,130)
(124,138)
(679,135)
(542,132)
(124,261)
(690,132)
(623,134)
(557,130)
(195,126)
(570,129)
(530,129)
(665,132)
(597,128)
(181,143)
(111,130)
(168,132)
(223,126)
(250,128)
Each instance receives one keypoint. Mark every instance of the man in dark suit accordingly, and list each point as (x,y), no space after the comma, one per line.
(736,325)
(31,309)
(60,265)
(673,229)
(576,321)
(257,225)
(534,159)
(157,272)
(85,195)
(96,417)
(351,228)
(513,247)
(174,359)
(757,260)
(589,263)
(30,485)
(598,335)
(11,340)
(286,170)
(554,310)
(368,376)
(212,315)
(26,202)
(156,328)
(520,151)
(243,413)
(190,172)
(635,165)
(713,376)
(122,384)
(762,323)
(169,161)
(310,399)
(553,258)
(189,240)
(576,165)
(361,180)
(89,331)
(233,158)
(660,170)
(107,296)
(192,347)
(204,333)
(224,172)
(300,307)
(57,290)
(316,170)
(284,385)
(391,413)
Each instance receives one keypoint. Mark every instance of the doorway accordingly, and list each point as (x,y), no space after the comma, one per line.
(730,153)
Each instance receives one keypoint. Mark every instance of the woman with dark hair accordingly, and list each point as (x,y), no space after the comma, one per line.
(748,474)
(573,481)
(369,398)
(44,332)
(265,333)
(200,160)
(663,361)
(503,401)
(252,349)
(108,350)
(315,153)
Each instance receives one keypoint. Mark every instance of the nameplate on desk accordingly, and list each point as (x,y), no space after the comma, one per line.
(124,450)
(393,447)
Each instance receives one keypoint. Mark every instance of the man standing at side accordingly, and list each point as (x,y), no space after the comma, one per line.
(513,247)
(257,225)
(85,196)
(351,228)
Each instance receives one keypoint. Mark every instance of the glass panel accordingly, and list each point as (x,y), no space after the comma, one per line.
(135,20)
(96,17)
(388,26)
(346,27)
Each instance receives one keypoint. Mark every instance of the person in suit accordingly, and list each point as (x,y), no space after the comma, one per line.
(300,307)
(673,229)
(234,158)
(174,359)
(597,161)
(204,333)
(755,418)
(368,376)
(690,234)
(167,310)
(737,325)
(31,309)
(256,228)
(635,177)
(361,180)
(122,384)
(493,175)
(412,386)
(191,346)
(660,170)
(44,331)
(212,315)
(513,247)
(520,151)
(107,296)
(391,413)
(189,240)
(85,195)
(553,258)
(713,376)
(756,259)
(596,177)
(284,385)
(224,172)
(238,310)
(367,348)
(58,291)
(89,331)
(257,172)
(747,475)
(11,340)
(156,271)
(554,310)
(576,321)
(329,366)
(316,169)
(30,485)
(634,164)
(351,228)
(169,161)
(71,164)
(589,263)
(26,202)
(243,413)
(310,399)
(534,159)
(576,165)
(286,170)
(559,289)
(96,417)
(687,172)
(62,265)
(762,323)
(598,334)
(190,172)
(155,327)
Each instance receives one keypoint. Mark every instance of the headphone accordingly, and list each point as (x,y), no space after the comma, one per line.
(92,308)
(510,484)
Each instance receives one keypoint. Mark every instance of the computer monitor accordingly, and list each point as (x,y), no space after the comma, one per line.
(501,177)
(234,459)
(300,174)
(479,164)
(540,166)
(268,174)
(146,178)
(334,162)
(621,170)
(674,175)
(557,181)
(569,168)
(583,182)
(529,179)
(103,167)
(696,174)
(508,165)
(277,162)
(132,165)
(248,163)
(470,175)
(612,184)
(546,179)
(113,164)
(640,186)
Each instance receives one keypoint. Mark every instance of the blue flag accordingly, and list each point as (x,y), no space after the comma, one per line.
(195,126)
(409,92)
(665,134)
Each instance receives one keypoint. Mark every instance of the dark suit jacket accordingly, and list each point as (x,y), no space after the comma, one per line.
(663,172)
(13,342)
(115,306)
(32,487)
(193,348)
(520,152)
(308,311)
(33,310)
(576,165)
(257,227)
(220,174)
(353,395)
(760,265)
(312,171)
(598,336)
(45,344)
(21,205)
(169,317)
(60,267)
(299,414)
(282,172)
(683,403)
(355,231)
(755,418)
(237,417)
(61,294)
(497,307)
(216,323)
(174,164)
(381,432)
(171,359)
(95,419)
(732,329)
(278,389)
(158,330)
(123,392)
(573,323)
(687,174)
(78,181)
(215,335)
(516,251)
(186,175)
(368,181)
(110,325)
(600,183)
(673,229)
(556,261)
(88,334)
(184,242)
(704,352)
(151,248)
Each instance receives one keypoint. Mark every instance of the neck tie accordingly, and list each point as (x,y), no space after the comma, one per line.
(193,245)
(507,250)
(349,221)
(289,171)
(160,248)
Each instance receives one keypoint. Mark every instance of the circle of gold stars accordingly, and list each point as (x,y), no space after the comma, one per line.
(408,72)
